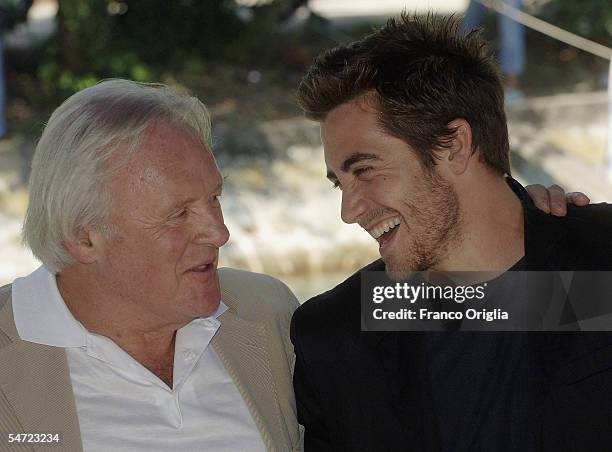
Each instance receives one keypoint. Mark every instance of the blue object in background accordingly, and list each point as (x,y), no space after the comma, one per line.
(511,36)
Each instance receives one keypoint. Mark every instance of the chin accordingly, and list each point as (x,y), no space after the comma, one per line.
(393,263)
(398,269)
(203,308)
(211,298)
(201,302)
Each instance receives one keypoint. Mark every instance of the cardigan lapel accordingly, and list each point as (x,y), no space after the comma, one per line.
(242,347)
(35,380)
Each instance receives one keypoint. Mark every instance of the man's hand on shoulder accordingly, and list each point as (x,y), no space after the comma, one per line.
(554,200)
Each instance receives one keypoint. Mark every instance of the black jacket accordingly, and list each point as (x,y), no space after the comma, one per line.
(365,391)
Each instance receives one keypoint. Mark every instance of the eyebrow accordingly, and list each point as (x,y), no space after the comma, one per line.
(353,158)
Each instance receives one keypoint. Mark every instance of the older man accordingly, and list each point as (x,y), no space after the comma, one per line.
(415,136)
(128,338)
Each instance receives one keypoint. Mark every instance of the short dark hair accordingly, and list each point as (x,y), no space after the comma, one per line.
(423,74)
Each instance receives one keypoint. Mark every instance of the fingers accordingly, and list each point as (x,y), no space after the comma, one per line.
(554,200)
(577,198)
(539,195)
(558,202)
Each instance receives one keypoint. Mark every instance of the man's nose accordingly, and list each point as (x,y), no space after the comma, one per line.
(353,206)
(213,232)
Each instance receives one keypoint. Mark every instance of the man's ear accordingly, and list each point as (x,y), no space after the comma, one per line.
(86,247)
(459,149)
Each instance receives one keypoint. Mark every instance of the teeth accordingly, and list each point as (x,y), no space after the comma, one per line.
(385,227)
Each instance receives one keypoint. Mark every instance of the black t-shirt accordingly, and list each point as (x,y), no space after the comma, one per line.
(479,386)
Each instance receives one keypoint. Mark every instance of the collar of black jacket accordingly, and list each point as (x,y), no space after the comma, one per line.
(543,231)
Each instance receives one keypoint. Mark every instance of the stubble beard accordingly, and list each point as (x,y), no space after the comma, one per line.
(435,220)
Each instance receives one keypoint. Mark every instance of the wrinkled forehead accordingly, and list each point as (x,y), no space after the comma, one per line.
(168,158)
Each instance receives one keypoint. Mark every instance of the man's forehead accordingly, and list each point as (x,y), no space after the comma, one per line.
(177,168)
(350,121)
(161,160)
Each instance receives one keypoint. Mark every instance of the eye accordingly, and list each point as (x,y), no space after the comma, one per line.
(179,214)
(360,171)
(216,200)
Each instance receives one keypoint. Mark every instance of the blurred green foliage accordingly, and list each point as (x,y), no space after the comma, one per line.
(144,39)
(591,19)
(211,47)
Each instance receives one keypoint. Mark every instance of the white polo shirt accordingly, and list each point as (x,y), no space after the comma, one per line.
(121,405)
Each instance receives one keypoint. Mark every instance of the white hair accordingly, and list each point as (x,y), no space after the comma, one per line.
(72,161)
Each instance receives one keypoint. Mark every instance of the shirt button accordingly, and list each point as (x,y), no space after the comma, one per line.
(189,355)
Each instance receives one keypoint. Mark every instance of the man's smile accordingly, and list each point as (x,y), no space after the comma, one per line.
(383,227)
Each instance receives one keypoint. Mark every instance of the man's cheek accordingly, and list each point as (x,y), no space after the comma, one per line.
(173,243)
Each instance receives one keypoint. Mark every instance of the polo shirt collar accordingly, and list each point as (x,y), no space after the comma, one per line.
(41,316)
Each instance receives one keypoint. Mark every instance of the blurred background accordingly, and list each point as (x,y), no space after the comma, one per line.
(244,60)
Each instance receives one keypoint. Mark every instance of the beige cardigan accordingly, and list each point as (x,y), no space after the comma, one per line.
(252,342)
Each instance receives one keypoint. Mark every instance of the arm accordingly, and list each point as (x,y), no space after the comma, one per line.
(554,200)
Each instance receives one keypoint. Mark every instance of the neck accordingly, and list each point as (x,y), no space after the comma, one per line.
(491,236)
(148,342)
